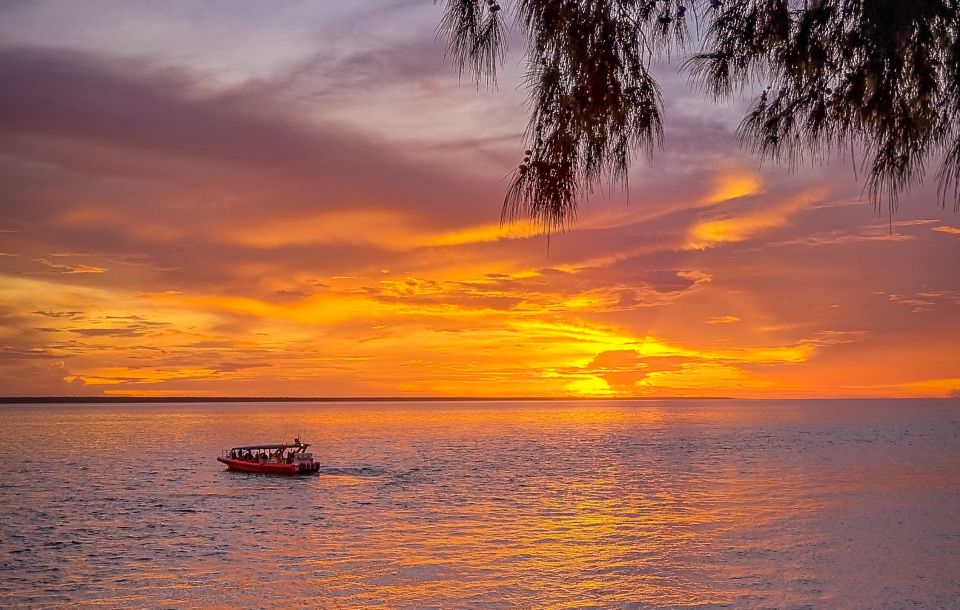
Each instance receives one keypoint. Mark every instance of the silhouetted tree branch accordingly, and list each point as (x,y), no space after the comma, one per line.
(882,76)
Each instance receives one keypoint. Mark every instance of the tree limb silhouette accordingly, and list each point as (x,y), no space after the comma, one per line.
(879,75)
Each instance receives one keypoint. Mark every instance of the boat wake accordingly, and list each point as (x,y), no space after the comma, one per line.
(355,471)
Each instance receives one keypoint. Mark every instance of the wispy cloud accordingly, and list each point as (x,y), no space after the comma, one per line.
(65,268)
(949,230)
(727,319)
(745,223)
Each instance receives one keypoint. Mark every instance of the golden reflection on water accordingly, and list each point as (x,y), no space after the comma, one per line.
(560,505)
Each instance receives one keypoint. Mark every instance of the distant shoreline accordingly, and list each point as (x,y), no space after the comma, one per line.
(13,400)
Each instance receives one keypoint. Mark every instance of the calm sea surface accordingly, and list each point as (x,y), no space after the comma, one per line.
(701,504)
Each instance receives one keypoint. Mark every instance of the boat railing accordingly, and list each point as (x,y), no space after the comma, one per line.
(269,459)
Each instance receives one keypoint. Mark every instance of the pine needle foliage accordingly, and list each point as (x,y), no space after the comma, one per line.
(881,77)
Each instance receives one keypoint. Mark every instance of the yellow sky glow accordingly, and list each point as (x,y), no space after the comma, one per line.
(330,226)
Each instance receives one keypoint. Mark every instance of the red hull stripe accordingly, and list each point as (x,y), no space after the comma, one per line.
(245,466)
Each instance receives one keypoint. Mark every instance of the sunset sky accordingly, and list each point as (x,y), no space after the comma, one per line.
(303,199)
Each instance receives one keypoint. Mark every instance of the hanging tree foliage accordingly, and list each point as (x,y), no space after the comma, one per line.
(881,76)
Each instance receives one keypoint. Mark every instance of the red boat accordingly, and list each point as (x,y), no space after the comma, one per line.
(282,458)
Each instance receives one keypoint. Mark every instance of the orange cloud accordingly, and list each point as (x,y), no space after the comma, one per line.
(733,183)
(723,319)
(947,229)
(65,268)
(748,223)
(382,228)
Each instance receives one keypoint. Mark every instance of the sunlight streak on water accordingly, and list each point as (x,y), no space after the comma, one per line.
(706,504)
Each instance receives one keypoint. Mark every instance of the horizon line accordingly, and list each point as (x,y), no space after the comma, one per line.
(172,399)
(13,400)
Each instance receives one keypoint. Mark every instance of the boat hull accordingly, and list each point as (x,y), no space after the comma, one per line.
(268,468)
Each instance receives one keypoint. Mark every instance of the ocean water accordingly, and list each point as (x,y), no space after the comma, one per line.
(693,504)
